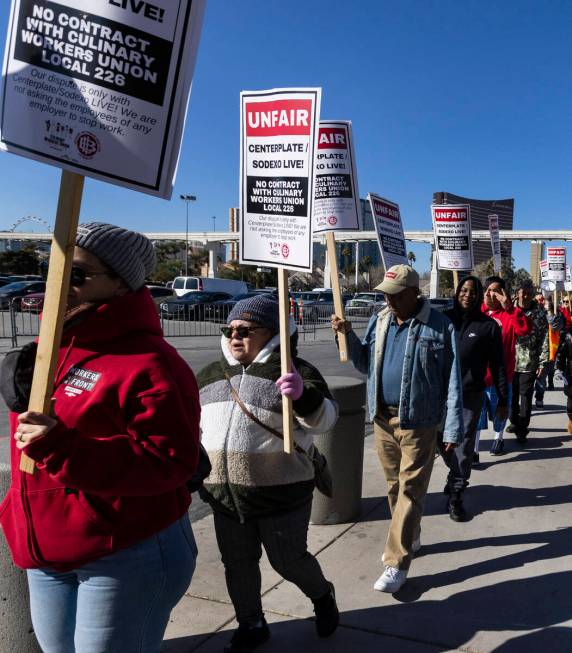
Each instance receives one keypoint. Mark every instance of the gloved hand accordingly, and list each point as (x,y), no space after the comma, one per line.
(291,384)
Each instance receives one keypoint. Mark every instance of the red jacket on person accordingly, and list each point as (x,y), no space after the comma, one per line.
(513,323)
(113,471)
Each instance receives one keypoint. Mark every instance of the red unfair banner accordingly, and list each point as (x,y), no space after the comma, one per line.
(386,210)
(448,215)
(279,118)
(332,138)
(555,251)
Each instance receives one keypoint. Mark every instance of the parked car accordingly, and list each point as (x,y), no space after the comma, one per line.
(190,306)
(160,294)
(33,303)
(441,303)
(182,285)
(316,305)
(15,291)
(365,304)
(218,311)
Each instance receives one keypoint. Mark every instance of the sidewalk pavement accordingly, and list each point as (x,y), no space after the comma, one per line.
(498,583)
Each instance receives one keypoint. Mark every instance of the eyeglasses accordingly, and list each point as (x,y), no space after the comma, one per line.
(241,331)
(79,275)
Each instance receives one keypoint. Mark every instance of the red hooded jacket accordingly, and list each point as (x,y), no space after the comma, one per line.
(113,471)
(513,323)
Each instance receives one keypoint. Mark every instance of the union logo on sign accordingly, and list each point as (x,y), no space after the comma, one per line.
(285,251)
(87,145)
(333,220)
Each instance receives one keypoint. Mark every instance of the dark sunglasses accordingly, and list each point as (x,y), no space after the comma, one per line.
(79,275)
(241,331)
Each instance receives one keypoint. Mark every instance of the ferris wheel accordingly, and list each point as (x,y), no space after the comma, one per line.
(30,218)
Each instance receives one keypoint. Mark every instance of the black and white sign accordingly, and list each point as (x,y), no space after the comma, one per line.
(556,257)
(336,196)
(568,282)
(453,239)
(495,242)
(100,87)
(279,130)
(389,229)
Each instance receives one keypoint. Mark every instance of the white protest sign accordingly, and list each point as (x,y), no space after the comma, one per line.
(453,239)
(100,87)
(556,257)
(544,269)
(568,282)
(279,130)
(336,196)
(389,229)
(495,242)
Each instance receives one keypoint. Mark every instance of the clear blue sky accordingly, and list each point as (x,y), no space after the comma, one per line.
(473,97)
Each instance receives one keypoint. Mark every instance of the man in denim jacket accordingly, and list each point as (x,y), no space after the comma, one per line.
(409,354)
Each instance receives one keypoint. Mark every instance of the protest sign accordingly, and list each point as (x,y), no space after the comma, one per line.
(556,258)
(100,87)
(278,137)
(495,242)
(336,196)
(279,130)
(453,240)
(389,229)
(336,200)
(544,269)
(568,282)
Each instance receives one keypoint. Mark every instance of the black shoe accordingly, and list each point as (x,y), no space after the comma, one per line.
(246,638)
(327,613)
(521,437)
(511,428)
(497,447)
(476,460)
(456,509)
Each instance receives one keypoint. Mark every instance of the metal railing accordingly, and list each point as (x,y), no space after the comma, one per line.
(191,320)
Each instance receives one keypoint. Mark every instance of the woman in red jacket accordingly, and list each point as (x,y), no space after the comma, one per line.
(102,525)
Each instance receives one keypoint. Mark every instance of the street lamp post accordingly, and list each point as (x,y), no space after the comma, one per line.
(186,199)
(214,222)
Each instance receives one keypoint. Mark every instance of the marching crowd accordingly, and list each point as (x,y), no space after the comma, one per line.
(102,526)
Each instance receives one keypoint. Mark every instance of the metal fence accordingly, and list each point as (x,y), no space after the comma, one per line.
(192,320)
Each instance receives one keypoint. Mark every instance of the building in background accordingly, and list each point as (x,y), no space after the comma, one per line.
(480,211)
(536,255)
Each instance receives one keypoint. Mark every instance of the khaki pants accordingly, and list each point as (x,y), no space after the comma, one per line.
(407,458)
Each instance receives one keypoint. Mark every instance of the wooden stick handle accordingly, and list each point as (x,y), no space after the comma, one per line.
(285,358)
(338,303)
(55,302)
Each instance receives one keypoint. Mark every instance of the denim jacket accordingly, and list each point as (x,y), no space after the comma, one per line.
(431,383)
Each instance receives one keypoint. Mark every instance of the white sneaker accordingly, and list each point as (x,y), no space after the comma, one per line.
(391,580)
(414,548)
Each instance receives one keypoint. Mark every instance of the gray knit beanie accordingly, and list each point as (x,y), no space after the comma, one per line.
(129,254)
(262,309)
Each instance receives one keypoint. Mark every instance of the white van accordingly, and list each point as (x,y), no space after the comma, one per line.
(182,285)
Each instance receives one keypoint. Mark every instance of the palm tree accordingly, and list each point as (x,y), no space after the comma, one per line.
(411,258)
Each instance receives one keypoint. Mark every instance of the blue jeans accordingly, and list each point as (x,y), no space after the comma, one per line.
(118,604)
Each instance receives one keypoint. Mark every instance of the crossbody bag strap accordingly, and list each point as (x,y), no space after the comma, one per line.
(255,419)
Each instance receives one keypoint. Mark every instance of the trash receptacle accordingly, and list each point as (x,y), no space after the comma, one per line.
(343,449)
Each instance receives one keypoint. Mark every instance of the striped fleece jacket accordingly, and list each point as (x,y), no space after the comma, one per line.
(251,475)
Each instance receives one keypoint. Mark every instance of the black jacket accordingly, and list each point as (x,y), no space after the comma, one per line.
(480,347)
(564,354)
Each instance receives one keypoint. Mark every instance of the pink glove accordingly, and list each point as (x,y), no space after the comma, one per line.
(291,384)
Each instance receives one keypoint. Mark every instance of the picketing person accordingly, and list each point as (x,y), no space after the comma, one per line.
(531,358)
(564,366)
(102,526)
(513,322)
(409,353)
(260,495)
(556,323)
(480,348)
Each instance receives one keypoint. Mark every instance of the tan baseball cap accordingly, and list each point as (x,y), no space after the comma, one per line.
(397,278)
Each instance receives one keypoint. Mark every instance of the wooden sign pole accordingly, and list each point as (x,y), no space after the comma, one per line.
(338,303)
(57,287)
(455,281)
(285,358)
